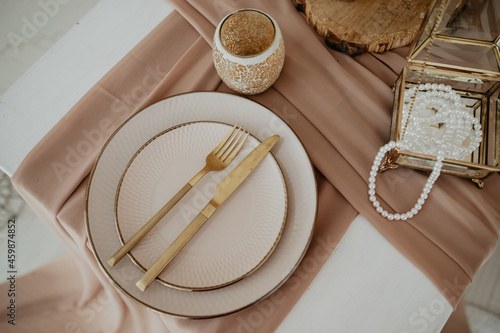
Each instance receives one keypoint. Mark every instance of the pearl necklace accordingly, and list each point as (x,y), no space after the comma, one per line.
(441,107)
(430,105)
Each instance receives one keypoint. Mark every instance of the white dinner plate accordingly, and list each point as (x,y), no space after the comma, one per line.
(185,108)
(238,237)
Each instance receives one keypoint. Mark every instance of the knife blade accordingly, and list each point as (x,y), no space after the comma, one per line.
(224,189)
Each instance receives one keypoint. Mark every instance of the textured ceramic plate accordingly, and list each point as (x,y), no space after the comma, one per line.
(235,241)
(185,108)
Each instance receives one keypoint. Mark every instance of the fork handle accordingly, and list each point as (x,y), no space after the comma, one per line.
(148,226)
(155,219)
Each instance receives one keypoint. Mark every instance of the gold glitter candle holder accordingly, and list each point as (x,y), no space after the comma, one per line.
(248,51)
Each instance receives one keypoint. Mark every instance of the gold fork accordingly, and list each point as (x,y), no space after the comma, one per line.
(217,160)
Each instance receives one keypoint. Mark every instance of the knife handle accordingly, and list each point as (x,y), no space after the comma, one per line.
(148,226)
(172,250)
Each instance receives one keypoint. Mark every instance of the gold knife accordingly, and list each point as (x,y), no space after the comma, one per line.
(225,188)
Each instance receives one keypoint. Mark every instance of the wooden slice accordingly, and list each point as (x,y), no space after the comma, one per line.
(359,26)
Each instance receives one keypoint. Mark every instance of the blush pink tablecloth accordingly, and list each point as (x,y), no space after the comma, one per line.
(339,106)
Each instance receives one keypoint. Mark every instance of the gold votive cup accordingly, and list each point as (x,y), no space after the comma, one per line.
(248,51)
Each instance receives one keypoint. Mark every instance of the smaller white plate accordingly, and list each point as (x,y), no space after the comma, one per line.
(239,236)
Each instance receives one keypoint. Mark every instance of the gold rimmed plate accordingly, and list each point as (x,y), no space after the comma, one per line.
(174,111)
(236,241)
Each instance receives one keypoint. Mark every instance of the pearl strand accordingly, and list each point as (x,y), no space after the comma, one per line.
(458,123)
(423,196)
(402,142)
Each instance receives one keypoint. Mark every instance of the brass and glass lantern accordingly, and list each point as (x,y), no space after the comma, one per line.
(458,46)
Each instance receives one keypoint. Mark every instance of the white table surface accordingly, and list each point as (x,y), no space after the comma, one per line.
(366,284)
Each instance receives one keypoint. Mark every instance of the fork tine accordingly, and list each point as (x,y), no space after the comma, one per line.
(228,143)
(223,141)
(237,149)
(231,147)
